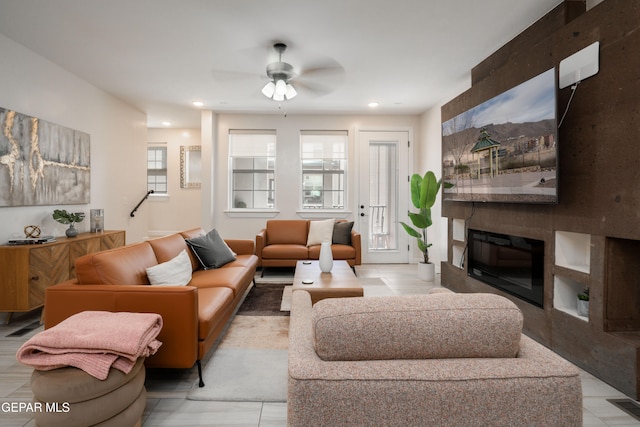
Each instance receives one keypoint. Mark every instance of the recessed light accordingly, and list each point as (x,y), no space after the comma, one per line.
(373,104)
(166,123)
(198,103)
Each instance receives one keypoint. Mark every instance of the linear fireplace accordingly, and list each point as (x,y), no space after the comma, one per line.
(510,263)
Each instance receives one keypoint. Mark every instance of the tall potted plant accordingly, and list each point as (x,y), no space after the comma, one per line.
(424,191)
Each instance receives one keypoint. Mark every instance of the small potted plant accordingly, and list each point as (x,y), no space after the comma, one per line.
(583,303)
(64,217)
(424,192)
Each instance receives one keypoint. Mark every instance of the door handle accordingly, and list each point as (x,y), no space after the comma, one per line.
(362,214)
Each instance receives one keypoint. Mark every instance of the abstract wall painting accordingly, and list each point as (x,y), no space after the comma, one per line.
(42,163)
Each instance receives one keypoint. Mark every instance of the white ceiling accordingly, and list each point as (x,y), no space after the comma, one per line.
(160,55)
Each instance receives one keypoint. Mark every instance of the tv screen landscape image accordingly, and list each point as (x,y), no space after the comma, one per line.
(505,149)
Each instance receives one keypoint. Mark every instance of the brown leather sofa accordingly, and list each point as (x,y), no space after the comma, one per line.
(194,315)
(283,242)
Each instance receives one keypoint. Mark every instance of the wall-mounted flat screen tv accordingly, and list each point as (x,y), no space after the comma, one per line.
(505,149)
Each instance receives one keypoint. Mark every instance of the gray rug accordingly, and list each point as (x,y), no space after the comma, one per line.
(241,375)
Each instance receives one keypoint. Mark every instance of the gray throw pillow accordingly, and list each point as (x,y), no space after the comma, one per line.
(342,233)
(211,250)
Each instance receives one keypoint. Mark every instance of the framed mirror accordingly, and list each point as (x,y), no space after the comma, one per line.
(190,166)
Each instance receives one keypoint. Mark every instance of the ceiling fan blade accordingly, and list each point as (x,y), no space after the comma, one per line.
(321,77)
(246,63)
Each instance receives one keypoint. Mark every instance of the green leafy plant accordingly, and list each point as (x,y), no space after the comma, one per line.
(64,217)
(584,295)
(424,192)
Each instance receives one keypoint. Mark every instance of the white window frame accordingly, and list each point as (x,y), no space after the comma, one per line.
(157,172)
(257,147)
(324,147)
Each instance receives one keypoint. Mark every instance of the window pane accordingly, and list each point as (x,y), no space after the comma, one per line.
(243,163)
(324,164)
(242,199)
(243,181)
(261,181)
(263,163)
(252,160)
(157,169)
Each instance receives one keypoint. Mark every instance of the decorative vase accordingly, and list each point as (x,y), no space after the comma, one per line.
(326,257)
(71,231)
(583,308)
(426,271)
(97,220)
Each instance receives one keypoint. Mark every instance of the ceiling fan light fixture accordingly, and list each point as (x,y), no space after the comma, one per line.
(281,87)
(291,91)
(269,89)
(278,96)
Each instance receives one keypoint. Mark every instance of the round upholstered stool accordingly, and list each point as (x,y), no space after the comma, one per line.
(71,397)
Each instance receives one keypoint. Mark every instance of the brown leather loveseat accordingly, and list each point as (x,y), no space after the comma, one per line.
(284,242)
(194,315)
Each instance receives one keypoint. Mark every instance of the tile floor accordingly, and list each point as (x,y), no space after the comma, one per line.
(167,389)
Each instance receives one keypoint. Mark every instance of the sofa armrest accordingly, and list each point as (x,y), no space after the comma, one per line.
(261,240)
(241,246)
(357,245)
(178,306)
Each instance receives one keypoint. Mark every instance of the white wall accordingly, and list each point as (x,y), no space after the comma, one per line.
(287,169)
(179,209)
(429,157)
(32,85)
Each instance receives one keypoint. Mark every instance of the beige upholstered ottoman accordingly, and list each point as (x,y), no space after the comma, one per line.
(71,397)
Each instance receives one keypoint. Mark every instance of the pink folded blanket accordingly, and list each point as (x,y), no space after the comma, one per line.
(94,341)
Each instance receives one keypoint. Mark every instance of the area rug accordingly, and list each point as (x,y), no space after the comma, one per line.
(244,375)
(250,363)
(263,300)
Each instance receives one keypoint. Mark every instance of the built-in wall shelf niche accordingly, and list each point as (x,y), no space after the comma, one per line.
(622,286)
(459,230)
(565,295)
(459,235)
(457,254)
(573,251)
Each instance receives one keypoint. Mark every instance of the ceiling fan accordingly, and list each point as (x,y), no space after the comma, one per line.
(314,75)
(280,73)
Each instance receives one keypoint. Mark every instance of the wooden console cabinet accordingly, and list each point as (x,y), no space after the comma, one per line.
(27,270)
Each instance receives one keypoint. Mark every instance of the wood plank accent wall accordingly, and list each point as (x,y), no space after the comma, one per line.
(599,181)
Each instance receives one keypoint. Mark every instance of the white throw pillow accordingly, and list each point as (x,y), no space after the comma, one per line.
(320,231)
(175,272)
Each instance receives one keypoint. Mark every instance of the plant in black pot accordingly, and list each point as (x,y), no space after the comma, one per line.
(64,217)
(424,192)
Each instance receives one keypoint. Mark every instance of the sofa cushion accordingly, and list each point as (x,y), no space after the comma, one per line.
(287,231)
(168,247)
(285,252)
(212,304)
(211,250)
(320,231)
(435,326)
(234,278)
(126,265)
(342,233)
(342,252)
(175,272)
